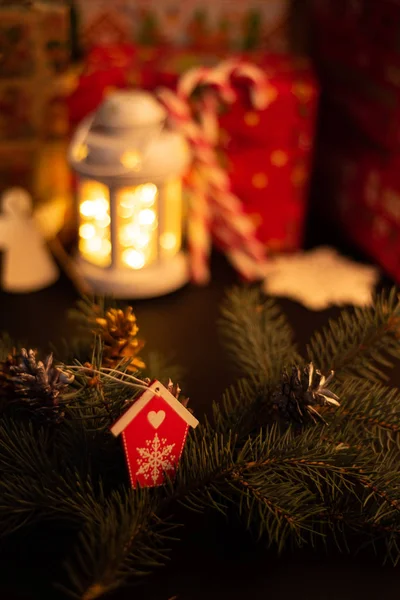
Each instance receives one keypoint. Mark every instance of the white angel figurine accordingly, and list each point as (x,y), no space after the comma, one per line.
(28,265)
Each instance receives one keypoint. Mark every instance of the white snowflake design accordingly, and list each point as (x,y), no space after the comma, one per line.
(155,459)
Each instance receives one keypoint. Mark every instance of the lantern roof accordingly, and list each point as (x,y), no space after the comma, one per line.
(130,109)
(127,138)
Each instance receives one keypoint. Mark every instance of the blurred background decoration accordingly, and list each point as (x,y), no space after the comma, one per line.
(60,60)
(356,50)
(130,168)
(34,61)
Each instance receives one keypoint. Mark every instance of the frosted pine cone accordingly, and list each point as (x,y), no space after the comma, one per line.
(301,394)
(40,384)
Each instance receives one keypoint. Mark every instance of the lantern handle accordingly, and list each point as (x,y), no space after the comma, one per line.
(79,141)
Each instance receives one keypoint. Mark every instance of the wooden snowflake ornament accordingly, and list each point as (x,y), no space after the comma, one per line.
(154,431)
(321,278)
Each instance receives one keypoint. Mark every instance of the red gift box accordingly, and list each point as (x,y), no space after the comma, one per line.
(357,49)
(374,107)
(369,206)
(268,152)
(361,190)
(271,186)
(107,68)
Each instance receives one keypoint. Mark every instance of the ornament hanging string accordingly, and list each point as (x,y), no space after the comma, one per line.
(215,212)
(127,380)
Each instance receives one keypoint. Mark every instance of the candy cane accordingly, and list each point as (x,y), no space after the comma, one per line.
(214,210)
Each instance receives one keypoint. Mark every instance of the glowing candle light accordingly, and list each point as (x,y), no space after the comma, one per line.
(87,231)
(94,244)
(148,194)
(105,247)
(147,217)
(87,209)
(132,159)
(100,208)
(103,223)
(168,240)
(142,240)
(133,259)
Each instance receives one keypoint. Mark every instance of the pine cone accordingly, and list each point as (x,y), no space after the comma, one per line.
(299,396)
(39,383)
(118,330)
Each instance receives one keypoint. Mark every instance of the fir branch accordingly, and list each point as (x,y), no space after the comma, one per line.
(126,540)
(162,368)
(383,487)
(6,346)
(305,472)
(256,334)
(101,393)
(361,342)
(23,448)
(240,407)
(88,309)
(36,485)
(296,484)
(273,508)
(372,409)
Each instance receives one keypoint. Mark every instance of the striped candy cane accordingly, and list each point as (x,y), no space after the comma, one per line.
(215,212)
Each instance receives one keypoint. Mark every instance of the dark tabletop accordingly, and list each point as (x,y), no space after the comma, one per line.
(222,563)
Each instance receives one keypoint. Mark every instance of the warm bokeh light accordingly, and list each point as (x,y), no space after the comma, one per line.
(105,249)
(148,193)
(87,209)
(126,211)
(104,222)
(137,225)
(94,229)
(134,259)
(100,208)
(128,233)
(94,245)
(132,159)
(81,152)
(96,208)
(143,234)
(168,240)
(87,231)
(147,217)
(171,236)
(142,240)
(128,200)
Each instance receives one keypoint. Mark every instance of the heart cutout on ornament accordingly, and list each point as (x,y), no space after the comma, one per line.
(156,418)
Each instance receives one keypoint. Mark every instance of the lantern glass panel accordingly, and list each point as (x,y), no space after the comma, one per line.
(137,213)
(171,236)
(94,223)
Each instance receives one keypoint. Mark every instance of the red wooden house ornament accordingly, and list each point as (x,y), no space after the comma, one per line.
(154,431)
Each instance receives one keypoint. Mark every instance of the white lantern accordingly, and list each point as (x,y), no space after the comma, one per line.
(130,169)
